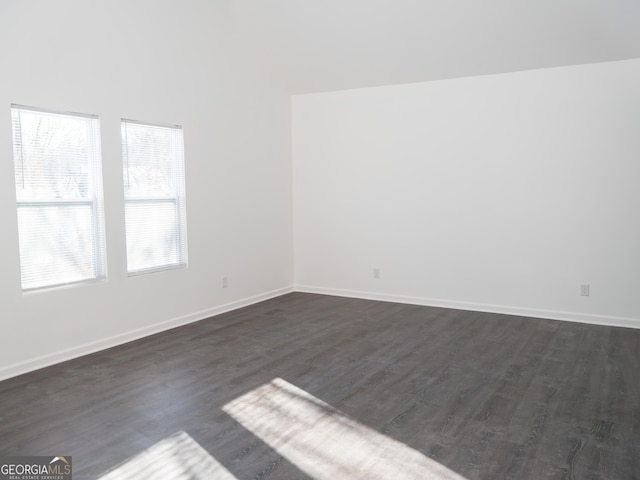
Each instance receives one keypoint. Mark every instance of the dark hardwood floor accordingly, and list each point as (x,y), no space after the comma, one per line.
(485,395)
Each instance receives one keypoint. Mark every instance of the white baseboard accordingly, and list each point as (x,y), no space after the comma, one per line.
(611,321)
(102,344)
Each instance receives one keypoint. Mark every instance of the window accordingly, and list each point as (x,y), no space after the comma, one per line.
(153,161)
(59,197)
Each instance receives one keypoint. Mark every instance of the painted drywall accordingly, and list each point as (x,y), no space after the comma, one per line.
(337,44)
(500,193)
(171,62)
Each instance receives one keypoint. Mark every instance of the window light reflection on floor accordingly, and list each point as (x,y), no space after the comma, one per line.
(325,443)
(177,457)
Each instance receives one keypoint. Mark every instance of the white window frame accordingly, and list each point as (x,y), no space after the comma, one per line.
(95,201)
(178,199)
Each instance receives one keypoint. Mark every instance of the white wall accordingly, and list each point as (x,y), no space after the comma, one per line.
(162,61)
(500,193)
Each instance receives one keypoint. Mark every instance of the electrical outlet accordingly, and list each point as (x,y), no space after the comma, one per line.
(225,282)
(585,290)
(376,273)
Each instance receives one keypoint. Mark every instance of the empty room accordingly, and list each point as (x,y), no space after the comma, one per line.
(287,239)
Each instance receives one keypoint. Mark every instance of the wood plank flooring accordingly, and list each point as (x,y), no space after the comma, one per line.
(484,395)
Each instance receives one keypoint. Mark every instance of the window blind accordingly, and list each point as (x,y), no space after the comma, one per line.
(59,197)
(154,184)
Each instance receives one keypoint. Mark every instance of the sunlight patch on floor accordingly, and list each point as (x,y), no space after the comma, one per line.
(323,442)
(177,457)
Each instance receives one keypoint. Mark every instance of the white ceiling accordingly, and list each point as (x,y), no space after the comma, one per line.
(322,45)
